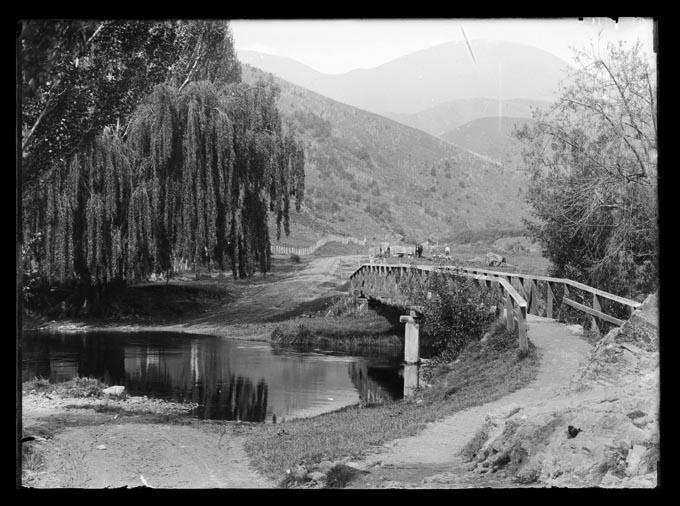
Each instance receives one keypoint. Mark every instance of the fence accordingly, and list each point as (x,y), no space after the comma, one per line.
(308,250)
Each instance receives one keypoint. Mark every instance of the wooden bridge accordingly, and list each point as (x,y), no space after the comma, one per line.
(516,294)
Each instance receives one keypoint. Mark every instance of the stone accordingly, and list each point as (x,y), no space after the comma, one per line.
(116,390)
(634,463)
(575,329)
(317,476)
(101,447)
(324,466)
(299,472)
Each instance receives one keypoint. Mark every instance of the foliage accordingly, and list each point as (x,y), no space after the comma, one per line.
(79,76)
(593,173)
(191,181)
(456,310)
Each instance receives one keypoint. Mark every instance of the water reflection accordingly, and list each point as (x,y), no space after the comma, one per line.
(229,379)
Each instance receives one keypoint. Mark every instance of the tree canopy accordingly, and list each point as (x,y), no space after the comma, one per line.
(592,162)
(190,180)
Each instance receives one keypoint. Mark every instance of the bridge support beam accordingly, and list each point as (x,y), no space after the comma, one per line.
(411,379)
(412,338)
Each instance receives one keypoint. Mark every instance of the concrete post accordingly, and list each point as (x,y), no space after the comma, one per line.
(411,379)
(412,338)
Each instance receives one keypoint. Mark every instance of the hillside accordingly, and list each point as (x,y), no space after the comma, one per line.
(422,79)
(446,116)
(370,176)
(491,137)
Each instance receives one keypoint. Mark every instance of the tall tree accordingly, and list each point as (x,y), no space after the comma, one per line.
(191,179)
(593,175)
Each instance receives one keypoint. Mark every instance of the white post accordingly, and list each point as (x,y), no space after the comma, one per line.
(411,379)
(412,338)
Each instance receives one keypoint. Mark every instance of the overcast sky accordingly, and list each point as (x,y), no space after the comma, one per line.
(336,46)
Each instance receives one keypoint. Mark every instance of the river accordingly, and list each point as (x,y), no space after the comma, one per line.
(229,379)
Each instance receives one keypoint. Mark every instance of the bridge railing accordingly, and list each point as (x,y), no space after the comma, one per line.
(539,291)
(521,294)
(374,281)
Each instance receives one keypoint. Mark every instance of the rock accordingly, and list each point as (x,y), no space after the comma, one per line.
(324,466)
(101,447)
(485,338)
(634,464)
(299,472)
(575,329)
(317,476)
(116,390)
(356,465)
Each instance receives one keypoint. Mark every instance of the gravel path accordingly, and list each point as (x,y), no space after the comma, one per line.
(437,448)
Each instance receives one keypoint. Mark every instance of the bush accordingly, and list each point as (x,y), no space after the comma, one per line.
(457,313)
(295,258)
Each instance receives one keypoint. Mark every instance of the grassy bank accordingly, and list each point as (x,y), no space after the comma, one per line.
(482,373)
(370,330)
(341,325)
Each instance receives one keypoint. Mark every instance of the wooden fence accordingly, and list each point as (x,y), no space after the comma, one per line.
(308,250)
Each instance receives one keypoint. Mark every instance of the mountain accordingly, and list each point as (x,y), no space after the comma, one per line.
(425,78)
(490,136)
(367,175)
(447,116)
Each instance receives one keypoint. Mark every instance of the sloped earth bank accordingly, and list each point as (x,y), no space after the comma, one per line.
(524,439)
(143,442)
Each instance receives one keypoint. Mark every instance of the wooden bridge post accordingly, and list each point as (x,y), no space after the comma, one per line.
(509,314)
(522,329)
(549,304)
(593,321)
(412,338)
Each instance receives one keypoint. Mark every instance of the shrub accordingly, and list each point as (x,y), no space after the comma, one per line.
(295,258)
(340,475)
(457,313)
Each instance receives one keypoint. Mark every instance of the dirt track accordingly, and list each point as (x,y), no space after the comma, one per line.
(407,462)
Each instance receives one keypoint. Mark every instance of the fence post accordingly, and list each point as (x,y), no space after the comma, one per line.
(593,320)
(522,329)
(549,304)
(509,316)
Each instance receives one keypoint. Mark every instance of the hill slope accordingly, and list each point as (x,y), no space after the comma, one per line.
(442,73)
(491,137)
(444,117)
(367,175)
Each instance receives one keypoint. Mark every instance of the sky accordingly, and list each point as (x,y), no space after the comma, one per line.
(337,46)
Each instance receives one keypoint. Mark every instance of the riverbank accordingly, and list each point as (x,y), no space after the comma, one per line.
(217,304)
(482,373)
(100,442)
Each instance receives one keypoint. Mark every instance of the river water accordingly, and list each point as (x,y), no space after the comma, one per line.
(230,379)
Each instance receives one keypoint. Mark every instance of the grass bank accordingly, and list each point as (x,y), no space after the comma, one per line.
(341,326)
(483,372)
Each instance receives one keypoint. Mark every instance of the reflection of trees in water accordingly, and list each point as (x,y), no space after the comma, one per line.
(238,399)
(375,384)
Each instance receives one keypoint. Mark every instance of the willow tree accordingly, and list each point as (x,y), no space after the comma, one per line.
(191,180)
